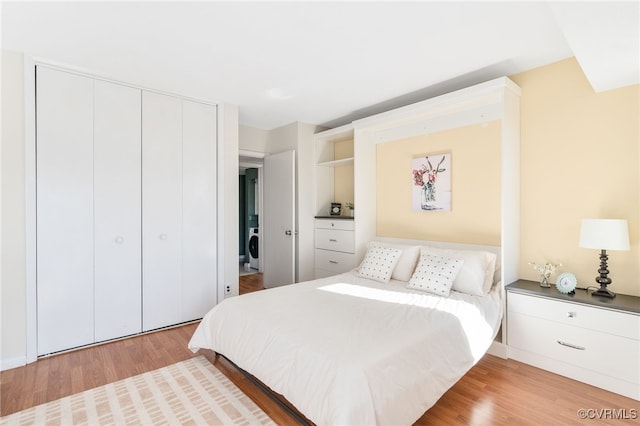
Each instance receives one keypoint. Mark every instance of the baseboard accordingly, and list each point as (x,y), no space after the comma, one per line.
(498,349)
(8,364)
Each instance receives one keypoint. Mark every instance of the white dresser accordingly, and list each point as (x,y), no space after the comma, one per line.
(590,339)
(334,246)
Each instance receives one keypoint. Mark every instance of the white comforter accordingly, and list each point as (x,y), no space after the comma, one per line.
(350,351)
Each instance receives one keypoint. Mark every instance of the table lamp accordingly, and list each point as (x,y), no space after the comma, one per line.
(604,234)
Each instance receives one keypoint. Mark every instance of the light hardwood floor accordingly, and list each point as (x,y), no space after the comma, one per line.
(494,392)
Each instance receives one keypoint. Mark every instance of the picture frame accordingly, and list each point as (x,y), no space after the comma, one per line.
(431,182)
(336,209)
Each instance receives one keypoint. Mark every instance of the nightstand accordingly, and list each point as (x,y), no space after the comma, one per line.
(591,339)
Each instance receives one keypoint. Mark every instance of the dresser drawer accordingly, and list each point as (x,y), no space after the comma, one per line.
(335,261)
(578,315)
(332,239)
(342,224)
(604,353)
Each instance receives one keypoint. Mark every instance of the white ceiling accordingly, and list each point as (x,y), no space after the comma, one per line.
(321,62)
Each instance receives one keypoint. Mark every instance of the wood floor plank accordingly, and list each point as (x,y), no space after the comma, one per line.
(250,283)
(494,392)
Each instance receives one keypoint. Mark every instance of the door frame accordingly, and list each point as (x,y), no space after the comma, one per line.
(257,155)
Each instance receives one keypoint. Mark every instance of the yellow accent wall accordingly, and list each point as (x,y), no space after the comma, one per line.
(475,186)
(579,159)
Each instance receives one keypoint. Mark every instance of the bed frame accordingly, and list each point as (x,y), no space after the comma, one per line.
(291,410)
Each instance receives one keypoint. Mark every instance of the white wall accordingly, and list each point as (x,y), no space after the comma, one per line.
(228,136)
(252,139)
(12,278)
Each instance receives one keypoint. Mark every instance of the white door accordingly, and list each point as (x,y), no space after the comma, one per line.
(278,228)
(64,216)
(161,210)
(117,282)
(199,272)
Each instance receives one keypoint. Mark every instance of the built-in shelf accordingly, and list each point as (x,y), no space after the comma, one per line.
(337,163)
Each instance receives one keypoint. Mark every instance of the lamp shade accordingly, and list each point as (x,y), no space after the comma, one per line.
(604,234)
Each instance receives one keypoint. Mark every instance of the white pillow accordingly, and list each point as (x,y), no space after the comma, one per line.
(476,275)
(407,262)
(435,274)
(378,263)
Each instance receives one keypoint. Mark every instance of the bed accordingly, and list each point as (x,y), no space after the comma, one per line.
(369,346)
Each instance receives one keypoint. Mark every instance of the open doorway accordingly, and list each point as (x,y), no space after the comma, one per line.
(249,210)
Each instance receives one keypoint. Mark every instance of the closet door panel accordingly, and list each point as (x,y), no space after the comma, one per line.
(199,288)
(161,210)
(64,212)
(117,174)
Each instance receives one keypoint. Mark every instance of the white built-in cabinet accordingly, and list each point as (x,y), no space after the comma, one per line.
(126,210)
(497,99)
(337,238)
(334,246)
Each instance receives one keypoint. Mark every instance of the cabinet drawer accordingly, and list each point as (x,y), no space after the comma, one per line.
(618,323)
(331,239)
(592,350)
(342,224)
(334,261)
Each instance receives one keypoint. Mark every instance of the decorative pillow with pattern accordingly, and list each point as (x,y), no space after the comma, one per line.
(476,275)
(379,262)
(406,263)
(435,274)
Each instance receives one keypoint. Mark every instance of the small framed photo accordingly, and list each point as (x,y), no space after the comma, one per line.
(336,209)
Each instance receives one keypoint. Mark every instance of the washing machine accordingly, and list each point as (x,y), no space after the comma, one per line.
(254,242)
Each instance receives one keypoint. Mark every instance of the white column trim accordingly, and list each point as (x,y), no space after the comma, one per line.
(30,208)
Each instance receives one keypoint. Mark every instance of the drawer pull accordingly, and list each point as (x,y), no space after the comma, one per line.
(333,240)
(571,314)
(333,261)
(569,345)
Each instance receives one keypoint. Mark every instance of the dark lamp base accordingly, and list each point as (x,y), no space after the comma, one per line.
(603,279)
(604,292)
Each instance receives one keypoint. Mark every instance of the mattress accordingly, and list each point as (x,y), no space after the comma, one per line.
(351,351)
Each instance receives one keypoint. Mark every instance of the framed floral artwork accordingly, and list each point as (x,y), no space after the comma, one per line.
(431,189)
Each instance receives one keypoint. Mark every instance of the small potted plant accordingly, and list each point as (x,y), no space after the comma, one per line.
(349,205)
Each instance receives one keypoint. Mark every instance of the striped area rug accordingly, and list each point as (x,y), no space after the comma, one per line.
(190,392)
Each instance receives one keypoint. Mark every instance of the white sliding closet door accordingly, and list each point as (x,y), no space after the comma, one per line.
(126,210)
(64,167)
(117,157)
(161,210)
(199,209)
